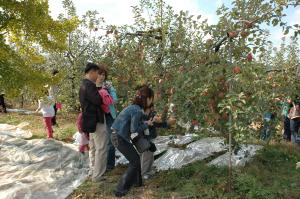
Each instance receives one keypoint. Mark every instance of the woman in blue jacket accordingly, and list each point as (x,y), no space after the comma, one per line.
(128,123)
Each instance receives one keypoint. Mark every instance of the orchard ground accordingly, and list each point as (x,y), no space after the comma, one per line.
(272,173)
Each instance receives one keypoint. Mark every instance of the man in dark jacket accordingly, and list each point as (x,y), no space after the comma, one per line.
(93,122)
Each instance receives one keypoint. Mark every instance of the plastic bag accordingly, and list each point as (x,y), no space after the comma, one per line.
(80,139)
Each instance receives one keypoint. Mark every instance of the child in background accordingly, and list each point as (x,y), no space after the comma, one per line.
(147,158)
(84,137)
(46,107)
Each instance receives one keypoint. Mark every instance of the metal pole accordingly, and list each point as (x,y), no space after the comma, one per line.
(230,134)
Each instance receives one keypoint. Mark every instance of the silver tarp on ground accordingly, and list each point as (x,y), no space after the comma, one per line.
(183,140)
(175,158)
(243,156)
(39,169)
(15,131)
(120,158)
(22,111)
(162,144)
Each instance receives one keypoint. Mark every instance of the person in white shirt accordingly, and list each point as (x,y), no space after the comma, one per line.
(46,108)
(53,92)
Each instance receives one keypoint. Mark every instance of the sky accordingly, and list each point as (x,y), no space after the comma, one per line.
(119,12)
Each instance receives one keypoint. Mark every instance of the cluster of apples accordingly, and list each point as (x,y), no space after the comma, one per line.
(243,33)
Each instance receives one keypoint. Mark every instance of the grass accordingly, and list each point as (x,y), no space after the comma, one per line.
(64,132)
(272,174)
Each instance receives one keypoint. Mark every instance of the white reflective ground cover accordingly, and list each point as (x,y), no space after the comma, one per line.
(175,158)
(49,169)
(39,168)
(22,111)
(15,131)
(244,155)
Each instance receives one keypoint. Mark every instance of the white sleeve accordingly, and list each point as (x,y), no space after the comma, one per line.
(40,104)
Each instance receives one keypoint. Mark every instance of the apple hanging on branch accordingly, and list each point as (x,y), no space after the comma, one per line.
(248,24)
(195,122)
(244,34)
(236,70)
(232,34)
(181,68)
(158,95)
(249,57)
(221,95)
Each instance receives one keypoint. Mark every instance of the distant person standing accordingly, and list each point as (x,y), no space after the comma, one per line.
(93,122)
(294,116)
(286,106)
(53,90)
(147,157)
(46,107)
(2,102)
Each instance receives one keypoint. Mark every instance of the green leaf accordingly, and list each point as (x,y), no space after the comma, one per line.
(286,31)
(275,22)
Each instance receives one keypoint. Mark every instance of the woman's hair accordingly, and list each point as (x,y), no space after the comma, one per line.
(141,96)
(103,69)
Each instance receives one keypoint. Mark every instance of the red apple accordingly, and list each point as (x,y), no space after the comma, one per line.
(195,123)
(221,95)
(158,95)
(171,121)
(181,68)
(248,24)
(244,34)
(249,57)
(232,34)
(237,70)
(225,116)
(269,78)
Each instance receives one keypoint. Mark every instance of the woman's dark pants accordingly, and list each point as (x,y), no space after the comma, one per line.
(132,176)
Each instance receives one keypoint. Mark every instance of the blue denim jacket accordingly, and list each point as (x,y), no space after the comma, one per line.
(129,121)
